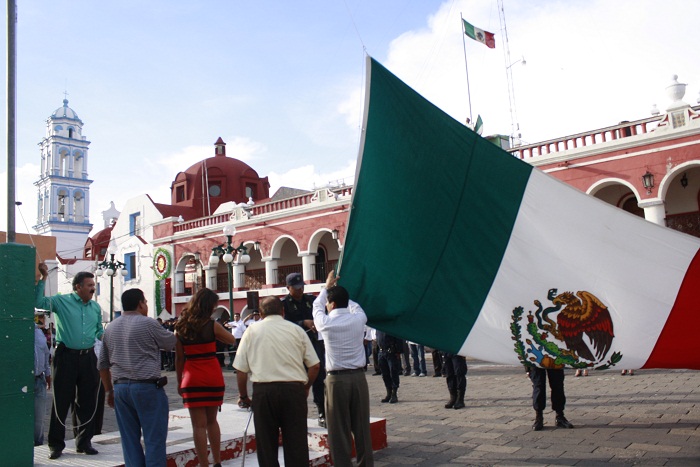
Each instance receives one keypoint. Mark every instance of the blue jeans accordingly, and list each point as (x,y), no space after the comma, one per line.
(142,407)
(418,355)
(39,409)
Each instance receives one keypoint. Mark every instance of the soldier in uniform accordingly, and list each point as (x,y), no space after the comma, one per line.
(298,308)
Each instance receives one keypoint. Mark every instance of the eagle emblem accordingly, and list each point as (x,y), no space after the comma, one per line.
(580,336)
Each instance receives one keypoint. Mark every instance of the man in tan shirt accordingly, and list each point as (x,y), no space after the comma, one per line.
(283,365)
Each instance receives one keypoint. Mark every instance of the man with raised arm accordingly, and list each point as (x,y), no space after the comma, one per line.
(347,394)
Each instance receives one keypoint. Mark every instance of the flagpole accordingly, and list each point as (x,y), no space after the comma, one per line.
(466,67)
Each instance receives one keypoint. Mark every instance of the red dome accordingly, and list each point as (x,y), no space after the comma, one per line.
(225,178)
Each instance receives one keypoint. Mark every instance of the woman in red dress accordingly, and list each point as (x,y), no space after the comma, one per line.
(199,378)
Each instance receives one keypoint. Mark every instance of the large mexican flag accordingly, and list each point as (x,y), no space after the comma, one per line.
(454,243)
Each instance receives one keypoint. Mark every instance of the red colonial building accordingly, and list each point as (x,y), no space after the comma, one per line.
(648,167)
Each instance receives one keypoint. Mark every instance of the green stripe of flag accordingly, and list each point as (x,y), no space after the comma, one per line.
(430,195)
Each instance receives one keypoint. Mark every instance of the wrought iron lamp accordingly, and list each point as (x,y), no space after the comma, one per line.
(111,268)
(648,181)
(231,255)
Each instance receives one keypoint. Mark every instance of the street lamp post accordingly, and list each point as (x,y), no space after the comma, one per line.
(231,255)
(110,268)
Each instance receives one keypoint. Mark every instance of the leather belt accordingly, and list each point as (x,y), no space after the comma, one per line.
(344,372)
(138,381)
(77,351)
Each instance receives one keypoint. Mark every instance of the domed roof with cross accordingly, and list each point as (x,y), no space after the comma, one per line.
(65,112)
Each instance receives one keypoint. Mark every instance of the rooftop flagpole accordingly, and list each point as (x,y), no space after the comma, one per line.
(466,67)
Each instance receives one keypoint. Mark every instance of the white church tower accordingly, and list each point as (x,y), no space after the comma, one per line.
(64,187)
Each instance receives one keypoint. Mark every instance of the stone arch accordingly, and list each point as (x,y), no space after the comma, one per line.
(600,185)
(680,191)
(79,205)
(62,203)
(278,244)
(78,163)
(187,282)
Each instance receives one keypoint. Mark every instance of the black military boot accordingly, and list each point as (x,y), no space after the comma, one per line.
(388,395)
(562,422)
(453,399)
(394,396)
(459,404)
(539,421)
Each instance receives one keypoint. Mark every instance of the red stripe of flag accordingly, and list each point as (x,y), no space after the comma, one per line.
(677,346)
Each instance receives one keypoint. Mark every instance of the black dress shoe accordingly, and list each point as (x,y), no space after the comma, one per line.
(562,422)
(55,454)
(538,425)
(90,451)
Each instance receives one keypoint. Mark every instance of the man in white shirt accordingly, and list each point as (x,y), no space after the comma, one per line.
(283,365)
(347,394)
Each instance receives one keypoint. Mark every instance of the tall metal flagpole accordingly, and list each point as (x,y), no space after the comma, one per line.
(11,113)
(466,67)
(514,125)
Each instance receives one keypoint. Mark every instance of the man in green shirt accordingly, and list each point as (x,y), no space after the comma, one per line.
(75,375)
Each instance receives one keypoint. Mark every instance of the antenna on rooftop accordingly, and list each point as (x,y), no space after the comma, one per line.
(514,125)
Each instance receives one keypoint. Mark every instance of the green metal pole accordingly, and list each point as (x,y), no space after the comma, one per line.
(230,278)
(111,287)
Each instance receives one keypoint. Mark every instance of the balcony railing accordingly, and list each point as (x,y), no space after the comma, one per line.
(687,223)
(321,270)
(254,279)
(282,272)
(552,146)
(259,209)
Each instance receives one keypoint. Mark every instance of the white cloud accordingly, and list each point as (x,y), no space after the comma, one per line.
(307,178)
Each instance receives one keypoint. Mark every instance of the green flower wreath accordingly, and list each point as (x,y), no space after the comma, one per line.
(162,263)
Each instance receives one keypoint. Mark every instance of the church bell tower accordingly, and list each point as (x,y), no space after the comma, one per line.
(63,186)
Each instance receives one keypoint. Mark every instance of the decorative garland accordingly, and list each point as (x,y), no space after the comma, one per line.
(162,263)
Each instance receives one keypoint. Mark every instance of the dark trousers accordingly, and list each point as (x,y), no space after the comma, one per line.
(99,414)
(375,355)
(437,361)
(391,369)
(539,376)
(347,412)
(456,370)
(75,378)
(280,406)
(318,389)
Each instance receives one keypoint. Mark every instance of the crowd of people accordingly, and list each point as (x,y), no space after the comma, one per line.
(286,349)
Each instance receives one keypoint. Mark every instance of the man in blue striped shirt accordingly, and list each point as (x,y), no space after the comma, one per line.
(130,372)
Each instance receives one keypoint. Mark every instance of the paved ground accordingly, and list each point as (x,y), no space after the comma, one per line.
(651,418)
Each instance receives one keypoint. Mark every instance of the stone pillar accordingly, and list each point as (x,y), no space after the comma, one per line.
(654,211)
(211,273)
(308,261)
(179,282)
(238,275)
(270,271)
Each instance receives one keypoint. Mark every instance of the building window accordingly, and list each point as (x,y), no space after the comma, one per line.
(70,132)
(250,191)
(180,193)
(135,224)
(62,205)
(215,189)
(130,262)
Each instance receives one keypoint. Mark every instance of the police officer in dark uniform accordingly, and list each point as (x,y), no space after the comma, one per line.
(390,350)
(298,308)
(539,377)
(455,369)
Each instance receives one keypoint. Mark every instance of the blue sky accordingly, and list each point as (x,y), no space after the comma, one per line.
(157,82)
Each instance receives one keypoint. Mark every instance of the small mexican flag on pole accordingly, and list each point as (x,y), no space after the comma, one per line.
(479,35)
